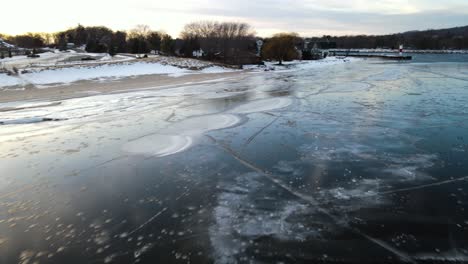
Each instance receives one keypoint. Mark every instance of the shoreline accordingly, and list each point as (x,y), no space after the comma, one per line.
(87,88)
(131,83)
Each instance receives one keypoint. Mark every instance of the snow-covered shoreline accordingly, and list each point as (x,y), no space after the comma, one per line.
(300,64)
(44,77)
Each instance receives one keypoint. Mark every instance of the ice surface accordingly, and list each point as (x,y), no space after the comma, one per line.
(369,163)
(201,124)
(237,213)
(158,145)
(263,105)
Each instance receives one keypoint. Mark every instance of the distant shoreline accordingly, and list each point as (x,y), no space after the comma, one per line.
(414,51)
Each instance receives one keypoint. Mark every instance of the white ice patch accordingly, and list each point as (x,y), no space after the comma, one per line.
(404,167)
(217,69)
(329,61)
(179,136)
(262,105)
(363,195)
(454,255)
(241,216)
(301,65)
(158,145)
(201,124)
(388,169)
(351,151)
(408,167)
(364,188)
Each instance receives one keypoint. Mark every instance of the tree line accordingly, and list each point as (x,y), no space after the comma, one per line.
(99,39)
(452,38)
(229,42)
(228,37)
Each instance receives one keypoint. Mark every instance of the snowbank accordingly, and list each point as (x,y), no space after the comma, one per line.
(58,58)
(300,64)
(101,72)
(69,75)
(6,80)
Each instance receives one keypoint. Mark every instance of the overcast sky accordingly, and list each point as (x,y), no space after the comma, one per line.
(307,17)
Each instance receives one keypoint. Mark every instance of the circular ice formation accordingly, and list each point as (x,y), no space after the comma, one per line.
(263,105)
(201,124)
(179,136)
(159,145)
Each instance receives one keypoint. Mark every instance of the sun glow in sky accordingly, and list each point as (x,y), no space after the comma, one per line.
(307,17)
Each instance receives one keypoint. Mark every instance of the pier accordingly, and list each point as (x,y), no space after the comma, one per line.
(378,56)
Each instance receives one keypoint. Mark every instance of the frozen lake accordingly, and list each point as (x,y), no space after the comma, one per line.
(360,162)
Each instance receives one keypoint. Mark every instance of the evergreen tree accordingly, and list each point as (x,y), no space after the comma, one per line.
(81,35)
(120,41)
(154,41)
(143,46)
(134,45)
(167,44)
(111,49)
(62,42)
(90,46)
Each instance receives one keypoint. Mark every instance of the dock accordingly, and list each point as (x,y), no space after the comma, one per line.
(378,56)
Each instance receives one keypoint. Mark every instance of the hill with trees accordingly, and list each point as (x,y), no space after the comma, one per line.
(440,39)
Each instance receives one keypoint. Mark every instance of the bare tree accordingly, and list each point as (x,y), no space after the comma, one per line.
(281,47)
(219,38)
(139,31)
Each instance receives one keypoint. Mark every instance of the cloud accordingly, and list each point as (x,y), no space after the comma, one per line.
(313,17)
(307,17)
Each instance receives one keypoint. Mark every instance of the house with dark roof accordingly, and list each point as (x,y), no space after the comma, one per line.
(6,49)
(314,50)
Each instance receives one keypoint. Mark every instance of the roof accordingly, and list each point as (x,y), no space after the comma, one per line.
(4,44)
